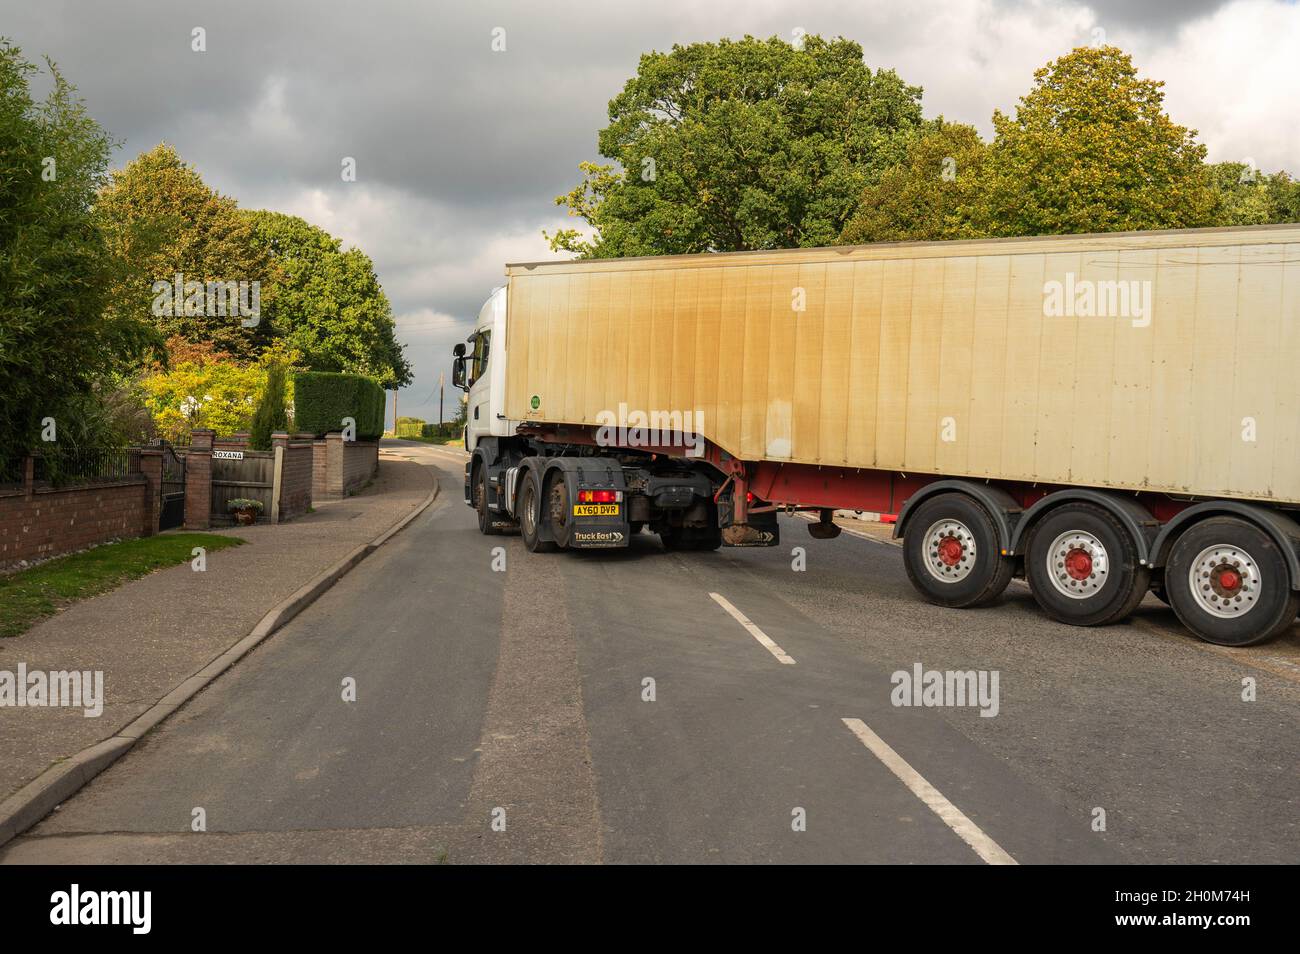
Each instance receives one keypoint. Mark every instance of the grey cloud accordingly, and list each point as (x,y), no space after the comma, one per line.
(460,150)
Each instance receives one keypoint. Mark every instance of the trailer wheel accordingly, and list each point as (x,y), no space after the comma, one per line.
(1082,566)
(530,515)
(1229,584)
(952,553)
(1158,587)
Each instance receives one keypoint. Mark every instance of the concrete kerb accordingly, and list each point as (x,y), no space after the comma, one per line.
(59,782)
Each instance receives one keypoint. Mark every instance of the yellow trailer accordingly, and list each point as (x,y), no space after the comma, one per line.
(1161,361)
(1106,415)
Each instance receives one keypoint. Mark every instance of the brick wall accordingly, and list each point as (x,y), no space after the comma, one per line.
(46,521)
(342,467)
(360,464)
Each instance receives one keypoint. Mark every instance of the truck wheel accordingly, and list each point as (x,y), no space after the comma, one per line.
(1229,584)
(1158,588)
(1082,566)
(710,538)
(557,510)
(485,518)
(530,515)
(692,538)
(952,555)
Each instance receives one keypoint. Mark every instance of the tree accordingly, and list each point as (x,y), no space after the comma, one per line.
(748,144)
(202,387)
(56,339)
(926,197)
(1248,197)
(327,302)
(162,220)
(271,415)
(1090,149)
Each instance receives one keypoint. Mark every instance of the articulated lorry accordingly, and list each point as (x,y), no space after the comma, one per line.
(1104,415)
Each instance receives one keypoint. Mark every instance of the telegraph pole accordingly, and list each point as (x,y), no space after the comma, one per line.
(394,412)
(441,375)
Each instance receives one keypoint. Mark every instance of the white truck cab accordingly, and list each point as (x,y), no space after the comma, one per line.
(480,370)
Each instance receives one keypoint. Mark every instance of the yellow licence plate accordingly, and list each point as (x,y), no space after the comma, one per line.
(595,510)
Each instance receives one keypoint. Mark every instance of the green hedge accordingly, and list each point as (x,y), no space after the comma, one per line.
(448,429)
(410,427)
(321,399)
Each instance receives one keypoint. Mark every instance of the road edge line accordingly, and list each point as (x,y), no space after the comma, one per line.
(60,781)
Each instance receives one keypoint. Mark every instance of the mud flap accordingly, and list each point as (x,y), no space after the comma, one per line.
(748,535)
(762,530)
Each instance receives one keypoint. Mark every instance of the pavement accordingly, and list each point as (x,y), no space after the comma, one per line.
(609,707)
(152,634)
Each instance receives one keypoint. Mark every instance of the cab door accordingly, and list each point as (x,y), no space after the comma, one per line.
(480,390)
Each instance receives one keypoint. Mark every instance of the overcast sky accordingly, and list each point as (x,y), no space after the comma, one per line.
(461,151)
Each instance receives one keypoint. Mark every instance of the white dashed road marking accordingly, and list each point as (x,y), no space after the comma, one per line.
(754,631)
(948,813)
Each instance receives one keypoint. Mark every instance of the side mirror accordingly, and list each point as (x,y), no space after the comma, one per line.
(459,350)
(458,370)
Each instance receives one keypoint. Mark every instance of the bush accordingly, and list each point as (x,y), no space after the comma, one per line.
(323,398)
(270,415)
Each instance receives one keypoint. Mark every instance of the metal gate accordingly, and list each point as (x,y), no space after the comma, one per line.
(172,513)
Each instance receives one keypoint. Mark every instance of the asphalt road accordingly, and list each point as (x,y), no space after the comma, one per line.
(607,707)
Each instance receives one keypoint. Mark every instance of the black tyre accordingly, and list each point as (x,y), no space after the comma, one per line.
(557,510)
(1082,566)
(691,538)
(952,552)
(531,513)
(707,537)
(486,519)
(1158,587)
(1229,583)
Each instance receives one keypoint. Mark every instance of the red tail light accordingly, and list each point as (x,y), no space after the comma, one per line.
(599,496)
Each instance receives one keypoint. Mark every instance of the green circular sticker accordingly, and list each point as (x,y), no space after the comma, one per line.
(536,402)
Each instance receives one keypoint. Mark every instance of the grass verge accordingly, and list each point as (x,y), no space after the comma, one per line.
(28,596)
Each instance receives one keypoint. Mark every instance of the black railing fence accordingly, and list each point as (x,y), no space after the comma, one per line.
(11,472)
(61,466)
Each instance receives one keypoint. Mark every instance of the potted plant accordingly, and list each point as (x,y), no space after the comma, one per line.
(245,510)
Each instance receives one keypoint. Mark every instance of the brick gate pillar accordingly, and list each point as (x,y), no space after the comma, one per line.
(198,481)
(335,464)
(151,467)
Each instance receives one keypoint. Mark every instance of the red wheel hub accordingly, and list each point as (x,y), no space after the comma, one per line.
(1229,580)
(1078,563)
(950,551)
